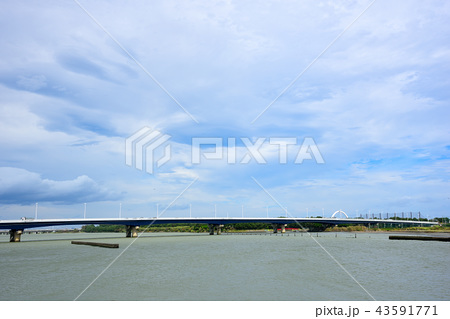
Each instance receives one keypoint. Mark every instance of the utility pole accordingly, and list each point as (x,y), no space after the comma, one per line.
(120,210)
(35,213)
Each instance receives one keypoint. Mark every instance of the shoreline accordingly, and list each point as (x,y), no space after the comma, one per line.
(442,232)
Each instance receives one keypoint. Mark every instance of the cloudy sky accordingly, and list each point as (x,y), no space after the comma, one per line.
(366,82)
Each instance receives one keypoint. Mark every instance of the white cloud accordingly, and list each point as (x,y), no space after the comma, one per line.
(70,96)
(19,186)
(32,83)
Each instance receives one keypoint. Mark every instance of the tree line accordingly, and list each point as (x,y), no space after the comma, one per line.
(198,228)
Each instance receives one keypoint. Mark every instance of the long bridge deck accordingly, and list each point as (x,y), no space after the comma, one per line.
(16,227)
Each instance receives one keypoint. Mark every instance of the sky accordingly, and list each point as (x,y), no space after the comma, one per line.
(315,106)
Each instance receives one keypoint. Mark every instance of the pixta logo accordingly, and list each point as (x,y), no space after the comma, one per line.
(144,147)
(147,149)
(253,150)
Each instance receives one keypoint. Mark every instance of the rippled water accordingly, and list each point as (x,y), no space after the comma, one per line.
(226,267)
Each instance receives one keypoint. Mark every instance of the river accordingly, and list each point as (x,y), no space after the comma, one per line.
(169,266)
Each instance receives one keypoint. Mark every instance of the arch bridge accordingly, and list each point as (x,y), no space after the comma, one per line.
(340,212)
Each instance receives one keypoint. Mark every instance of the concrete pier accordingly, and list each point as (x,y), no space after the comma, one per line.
(132,231)
(14,235)
(275,228)
(216,228)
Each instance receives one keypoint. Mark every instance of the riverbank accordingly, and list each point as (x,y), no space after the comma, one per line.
(258,227)
(432,229)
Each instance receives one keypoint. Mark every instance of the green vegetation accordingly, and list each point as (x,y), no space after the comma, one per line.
(344,228)
(438,228)
(312,227)
(388,227)
(443,220)
(247,226)
(190,228)
(103,228)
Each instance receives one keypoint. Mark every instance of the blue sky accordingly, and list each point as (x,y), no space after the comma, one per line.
(376,104)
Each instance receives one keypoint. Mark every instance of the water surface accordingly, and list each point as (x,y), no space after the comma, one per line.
(163,266)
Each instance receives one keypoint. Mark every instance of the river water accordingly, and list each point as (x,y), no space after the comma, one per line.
(163,266)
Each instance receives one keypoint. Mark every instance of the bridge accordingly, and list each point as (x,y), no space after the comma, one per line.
(17,227)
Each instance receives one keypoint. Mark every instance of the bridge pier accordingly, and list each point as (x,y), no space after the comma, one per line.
(275,228)
(132,231)
(216,228)
(14,235)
